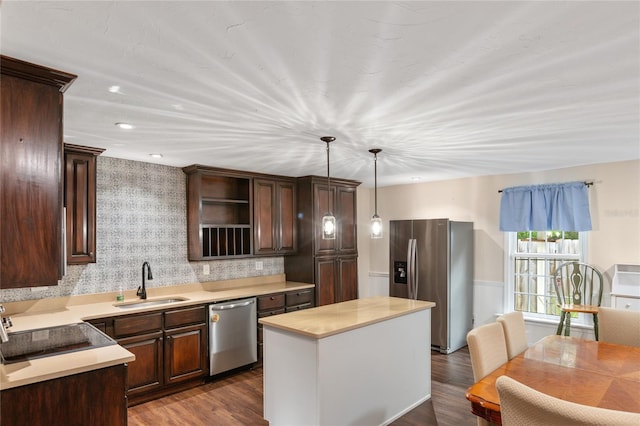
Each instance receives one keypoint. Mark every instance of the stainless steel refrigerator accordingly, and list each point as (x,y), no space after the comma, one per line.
(432,259)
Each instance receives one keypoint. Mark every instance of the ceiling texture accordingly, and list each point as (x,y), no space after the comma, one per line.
(446,89)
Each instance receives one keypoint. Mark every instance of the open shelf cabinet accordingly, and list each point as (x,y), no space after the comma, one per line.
(219,213)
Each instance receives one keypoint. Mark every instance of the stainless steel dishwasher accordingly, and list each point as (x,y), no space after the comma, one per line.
(233,335)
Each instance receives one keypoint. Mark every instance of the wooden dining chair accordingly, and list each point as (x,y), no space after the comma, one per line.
(521,405)
(488,351)
(619,326)
(515,333)
(579,289)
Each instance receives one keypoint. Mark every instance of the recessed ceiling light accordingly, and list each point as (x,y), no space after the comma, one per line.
(125,126)
(156,155)
(114,89)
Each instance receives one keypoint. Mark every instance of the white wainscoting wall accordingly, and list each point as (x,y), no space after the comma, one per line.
(488,303)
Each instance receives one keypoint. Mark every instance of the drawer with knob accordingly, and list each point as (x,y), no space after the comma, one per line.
(299,297)
(271,302)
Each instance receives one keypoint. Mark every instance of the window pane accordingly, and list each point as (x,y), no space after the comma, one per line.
(535,256)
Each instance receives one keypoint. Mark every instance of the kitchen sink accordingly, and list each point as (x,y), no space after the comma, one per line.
(149,303)
(44,342)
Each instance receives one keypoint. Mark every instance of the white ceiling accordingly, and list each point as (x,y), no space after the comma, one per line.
(446,89)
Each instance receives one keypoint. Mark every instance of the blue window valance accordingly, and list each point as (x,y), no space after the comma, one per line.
(556,206)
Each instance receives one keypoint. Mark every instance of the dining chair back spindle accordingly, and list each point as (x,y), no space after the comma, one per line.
(578,289)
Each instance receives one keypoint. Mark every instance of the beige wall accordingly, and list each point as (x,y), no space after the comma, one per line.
(615,212)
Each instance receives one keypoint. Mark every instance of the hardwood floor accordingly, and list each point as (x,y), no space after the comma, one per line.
(236,400)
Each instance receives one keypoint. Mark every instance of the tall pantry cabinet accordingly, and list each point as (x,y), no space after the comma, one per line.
(332,265)
(31,154)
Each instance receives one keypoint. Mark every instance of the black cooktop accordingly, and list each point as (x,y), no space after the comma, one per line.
(43,342)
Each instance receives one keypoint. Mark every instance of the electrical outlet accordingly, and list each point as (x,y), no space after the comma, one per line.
(206,270)
(259,266)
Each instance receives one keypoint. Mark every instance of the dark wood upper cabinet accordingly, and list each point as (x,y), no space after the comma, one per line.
(219,213)
(31,240)
(80,203)
(274,221)
(331,265)
(342,203)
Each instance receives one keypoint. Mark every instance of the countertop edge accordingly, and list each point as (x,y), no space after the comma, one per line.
(42,369)
(275,321)
(74,313)
(55,367)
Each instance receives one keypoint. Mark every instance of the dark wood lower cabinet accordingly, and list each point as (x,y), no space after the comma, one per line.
(145,373)
(185,351)
(336,279)
(93,398)
(171,348)
(348,272)
(279,303)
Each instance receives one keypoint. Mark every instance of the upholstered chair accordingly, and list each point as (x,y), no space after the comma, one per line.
(488,350)
(521,405)
(515,333)
(619,326)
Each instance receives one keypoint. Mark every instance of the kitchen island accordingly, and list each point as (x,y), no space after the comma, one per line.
(361,362)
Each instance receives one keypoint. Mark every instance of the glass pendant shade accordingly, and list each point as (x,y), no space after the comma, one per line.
(376,221)
(328,227)
(376,227)
(328,220)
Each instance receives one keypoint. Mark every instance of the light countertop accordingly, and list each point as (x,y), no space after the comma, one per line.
(328,320)
(34,314)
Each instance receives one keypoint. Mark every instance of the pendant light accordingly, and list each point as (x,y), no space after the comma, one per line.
(376,222)
(328,220)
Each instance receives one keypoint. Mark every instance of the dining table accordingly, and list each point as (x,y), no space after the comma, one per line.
(583,371)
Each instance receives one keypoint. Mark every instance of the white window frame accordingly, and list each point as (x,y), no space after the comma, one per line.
(510,256)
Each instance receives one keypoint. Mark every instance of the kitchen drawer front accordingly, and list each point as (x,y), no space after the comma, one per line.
(627,303)
(269,302)
(272,312)
(136,324)
(187,316)
(299,297)
(299,307)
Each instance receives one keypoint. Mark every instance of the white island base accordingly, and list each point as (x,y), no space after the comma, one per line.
(371,365)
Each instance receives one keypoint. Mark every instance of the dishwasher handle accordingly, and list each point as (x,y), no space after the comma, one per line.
(232,305)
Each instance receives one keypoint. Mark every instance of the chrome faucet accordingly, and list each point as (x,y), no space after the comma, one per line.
(5,324)
(142,291)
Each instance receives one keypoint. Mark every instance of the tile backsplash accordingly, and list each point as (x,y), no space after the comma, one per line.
(141,216)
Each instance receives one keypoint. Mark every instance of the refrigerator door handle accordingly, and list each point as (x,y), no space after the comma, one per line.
(409,269)
(412,285)
(416,269)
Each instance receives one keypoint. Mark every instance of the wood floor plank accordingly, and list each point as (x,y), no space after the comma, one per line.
(236,400)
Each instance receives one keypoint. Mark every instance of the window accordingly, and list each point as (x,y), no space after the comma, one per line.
(532,260)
